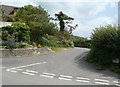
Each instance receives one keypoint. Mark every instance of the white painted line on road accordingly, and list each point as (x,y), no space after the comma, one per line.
(66,76)
(82,81)
(61,78)
(118,85)
(101,80)
(102,83)
(28,65)
(116,82)
(10,70)
(31,71)
(47,76)
(83,78)
(28,73)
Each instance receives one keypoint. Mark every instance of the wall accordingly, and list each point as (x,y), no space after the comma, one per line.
(6,53)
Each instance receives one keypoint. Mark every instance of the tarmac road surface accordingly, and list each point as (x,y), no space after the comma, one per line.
(62,68)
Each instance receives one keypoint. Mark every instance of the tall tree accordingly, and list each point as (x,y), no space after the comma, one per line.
(37,18)
(62,17)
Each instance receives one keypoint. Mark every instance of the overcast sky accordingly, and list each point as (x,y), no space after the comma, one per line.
(88,14)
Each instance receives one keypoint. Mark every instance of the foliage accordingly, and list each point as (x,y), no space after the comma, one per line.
(34,44)
(9,44)
(104,43)
(58,49)
(17,32)
(61,17)
(23,45)
(35,25)
(56,41)
(37,19)
(39,46)
(48,40)
(81,42)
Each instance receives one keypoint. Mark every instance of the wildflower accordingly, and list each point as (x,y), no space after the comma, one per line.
(39,46)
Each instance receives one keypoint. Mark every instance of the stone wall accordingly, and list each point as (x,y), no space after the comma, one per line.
(6,53)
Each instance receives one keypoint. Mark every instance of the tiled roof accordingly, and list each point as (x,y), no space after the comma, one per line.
(8,10)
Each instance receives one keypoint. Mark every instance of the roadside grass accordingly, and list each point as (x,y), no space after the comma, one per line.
(113,68)
(58,49)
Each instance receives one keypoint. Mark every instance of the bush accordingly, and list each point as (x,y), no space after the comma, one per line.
(20,31)
(39,46)
(81,42)
(9,44)
(34,44)
(104,46)
(48,40)
(55,41)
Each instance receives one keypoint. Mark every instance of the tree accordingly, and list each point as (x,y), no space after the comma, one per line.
(72,28)
(37,19)
(104,45)
(61,17)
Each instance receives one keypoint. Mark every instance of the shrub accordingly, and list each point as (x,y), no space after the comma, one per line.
(48,40)
(104,45)
(39,46)
(55,41)
(24,45)
(20,30)
(81,42)
(34,44)
(9,44)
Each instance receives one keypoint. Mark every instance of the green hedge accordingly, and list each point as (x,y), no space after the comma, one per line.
(54,41)
(104,45)
(81,42)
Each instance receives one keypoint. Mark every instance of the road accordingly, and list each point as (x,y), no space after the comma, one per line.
(62,68)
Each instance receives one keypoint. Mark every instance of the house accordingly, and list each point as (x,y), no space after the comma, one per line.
(7,10)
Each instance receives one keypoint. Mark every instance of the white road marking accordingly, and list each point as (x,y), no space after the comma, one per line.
(83,78)
(11,70)
(31,71)
(118,85)
(101,80)
(28,73)
(102,83)
(116,82)
(28,65)
(82,81)
(66,76)
(61,78)
(47,76)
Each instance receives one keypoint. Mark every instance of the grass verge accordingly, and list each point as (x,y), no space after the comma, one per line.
(58,49)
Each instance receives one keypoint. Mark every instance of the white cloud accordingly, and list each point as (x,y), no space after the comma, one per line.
(98,8)
(85,30)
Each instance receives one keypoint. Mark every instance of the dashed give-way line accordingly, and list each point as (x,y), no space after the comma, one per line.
(52,75)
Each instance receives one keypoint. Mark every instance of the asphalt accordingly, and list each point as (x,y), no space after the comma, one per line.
(62,68)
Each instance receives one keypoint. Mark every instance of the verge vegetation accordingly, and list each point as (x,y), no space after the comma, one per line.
(105,47)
